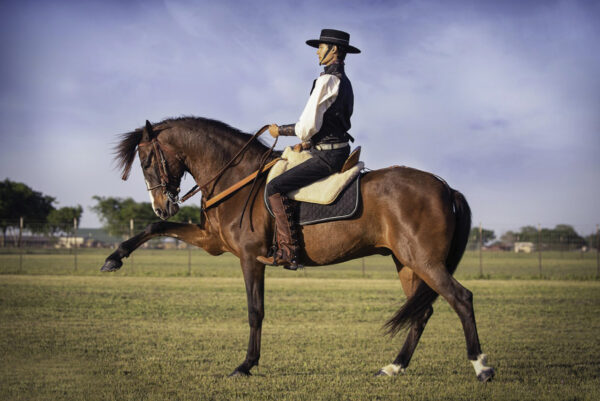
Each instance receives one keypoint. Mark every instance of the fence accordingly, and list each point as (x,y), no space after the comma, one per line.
(36,248)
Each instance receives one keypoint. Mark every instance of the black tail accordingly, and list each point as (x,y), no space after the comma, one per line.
(415,307)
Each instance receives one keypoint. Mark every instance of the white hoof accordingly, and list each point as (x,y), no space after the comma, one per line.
(390,370)
(483,372)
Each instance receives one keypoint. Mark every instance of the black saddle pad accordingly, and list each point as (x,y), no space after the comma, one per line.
(344,207)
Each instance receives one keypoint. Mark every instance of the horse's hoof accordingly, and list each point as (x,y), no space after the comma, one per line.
(111,265)
(486,375)
(240,373)
(390,370)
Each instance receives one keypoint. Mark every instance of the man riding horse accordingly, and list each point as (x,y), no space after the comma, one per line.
(323,128)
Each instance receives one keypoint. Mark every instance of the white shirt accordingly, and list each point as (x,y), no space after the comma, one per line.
(323,95)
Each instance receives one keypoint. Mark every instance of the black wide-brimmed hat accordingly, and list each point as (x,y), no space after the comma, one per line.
(334,37)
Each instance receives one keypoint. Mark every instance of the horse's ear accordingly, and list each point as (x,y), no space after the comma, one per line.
(148,133)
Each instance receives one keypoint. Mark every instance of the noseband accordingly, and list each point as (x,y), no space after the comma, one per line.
(163,173)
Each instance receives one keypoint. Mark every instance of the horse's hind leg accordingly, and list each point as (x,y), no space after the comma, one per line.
(409,281)
(461,300)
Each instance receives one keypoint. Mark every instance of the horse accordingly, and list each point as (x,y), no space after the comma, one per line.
(411,215)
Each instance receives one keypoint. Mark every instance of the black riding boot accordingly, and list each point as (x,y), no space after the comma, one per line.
(286,254)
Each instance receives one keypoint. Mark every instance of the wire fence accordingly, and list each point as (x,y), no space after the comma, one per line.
(36,248)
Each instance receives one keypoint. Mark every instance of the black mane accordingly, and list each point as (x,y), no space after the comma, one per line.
(126,149)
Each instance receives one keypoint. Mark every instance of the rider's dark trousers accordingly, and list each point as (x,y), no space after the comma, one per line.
(322,164)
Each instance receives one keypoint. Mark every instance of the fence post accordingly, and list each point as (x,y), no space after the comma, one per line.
(480,250)
(597,251)
(75,241)
(20,244)
(189,247)
(131,235)
(540,249)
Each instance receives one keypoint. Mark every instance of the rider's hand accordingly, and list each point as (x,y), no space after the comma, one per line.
(274,130)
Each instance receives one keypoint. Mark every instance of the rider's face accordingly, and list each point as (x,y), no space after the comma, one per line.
(322,50)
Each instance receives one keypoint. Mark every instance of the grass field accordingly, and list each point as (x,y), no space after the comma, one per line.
(133,335)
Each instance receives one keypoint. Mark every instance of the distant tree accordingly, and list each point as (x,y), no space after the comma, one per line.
(115,213)
(486,236)
(561,237)
(592,241)
(528,234)
(61,220)
(19,200)
(509,238)
(564,237)
(187,213)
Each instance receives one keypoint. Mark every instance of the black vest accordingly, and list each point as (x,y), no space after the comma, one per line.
(336,120)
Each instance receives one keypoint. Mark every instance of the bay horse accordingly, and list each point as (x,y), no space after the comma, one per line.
(412,215)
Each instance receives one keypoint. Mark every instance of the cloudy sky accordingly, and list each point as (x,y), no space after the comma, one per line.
(500,98)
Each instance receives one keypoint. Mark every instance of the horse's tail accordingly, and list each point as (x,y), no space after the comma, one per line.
(416,306)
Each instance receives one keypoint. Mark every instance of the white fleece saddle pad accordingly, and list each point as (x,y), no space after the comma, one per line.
(324,191)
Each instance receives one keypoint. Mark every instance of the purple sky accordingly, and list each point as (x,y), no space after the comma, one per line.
(502,99)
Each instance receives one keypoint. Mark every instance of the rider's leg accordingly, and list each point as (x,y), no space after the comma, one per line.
(320,165)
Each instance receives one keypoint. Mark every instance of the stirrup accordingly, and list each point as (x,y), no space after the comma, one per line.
(294,266)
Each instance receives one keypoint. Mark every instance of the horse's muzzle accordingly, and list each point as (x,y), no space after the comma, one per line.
(170,210)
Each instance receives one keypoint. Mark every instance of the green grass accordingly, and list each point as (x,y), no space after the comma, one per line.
(155,338)
(169,263)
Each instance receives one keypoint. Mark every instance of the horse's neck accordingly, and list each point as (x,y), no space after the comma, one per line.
(205,161)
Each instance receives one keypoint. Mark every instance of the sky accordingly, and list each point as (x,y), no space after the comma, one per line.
(500,98)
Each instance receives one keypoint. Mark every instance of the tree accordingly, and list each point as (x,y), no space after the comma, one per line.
(528,234)
(509,238)
(61,220)
(115,213)
(562,237)
(486,235)
(187,213)
(18,200)
(592,241)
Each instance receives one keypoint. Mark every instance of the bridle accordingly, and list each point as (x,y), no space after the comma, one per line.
(163,171)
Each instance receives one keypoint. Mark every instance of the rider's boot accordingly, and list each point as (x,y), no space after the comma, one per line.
(286,254)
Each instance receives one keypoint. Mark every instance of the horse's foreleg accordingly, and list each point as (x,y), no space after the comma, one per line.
(254,277)
(189,233)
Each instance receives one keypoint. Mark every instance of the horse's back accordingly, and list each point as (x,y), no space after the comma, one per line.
(406,188)
(397,204)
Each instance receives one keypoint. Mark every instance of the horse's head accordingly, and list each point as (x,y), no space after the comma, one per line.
(163,170)
(161,166)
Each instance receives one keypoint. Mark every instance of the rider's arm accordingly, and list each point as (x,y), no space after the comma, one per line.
(322,96)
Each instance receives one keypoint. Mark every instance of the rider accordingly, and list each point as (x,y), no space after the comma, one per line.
(323,126)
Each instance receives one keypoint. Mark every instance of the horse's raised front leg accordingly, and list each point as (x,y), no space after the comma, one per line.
(254,277)
(190,233)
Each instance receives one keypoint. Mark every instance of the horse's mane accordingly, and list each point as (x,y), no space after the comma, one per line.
(125,150)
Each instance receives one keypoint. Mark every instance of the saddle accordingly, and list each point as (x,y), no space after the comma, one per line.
(331,198)
(324,191)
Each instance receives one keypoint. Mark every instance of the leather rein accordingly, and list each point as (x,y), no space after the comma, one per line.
(159,148)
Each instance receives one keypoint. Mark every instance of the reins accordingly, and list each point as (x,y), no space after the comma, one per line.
(197,188)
